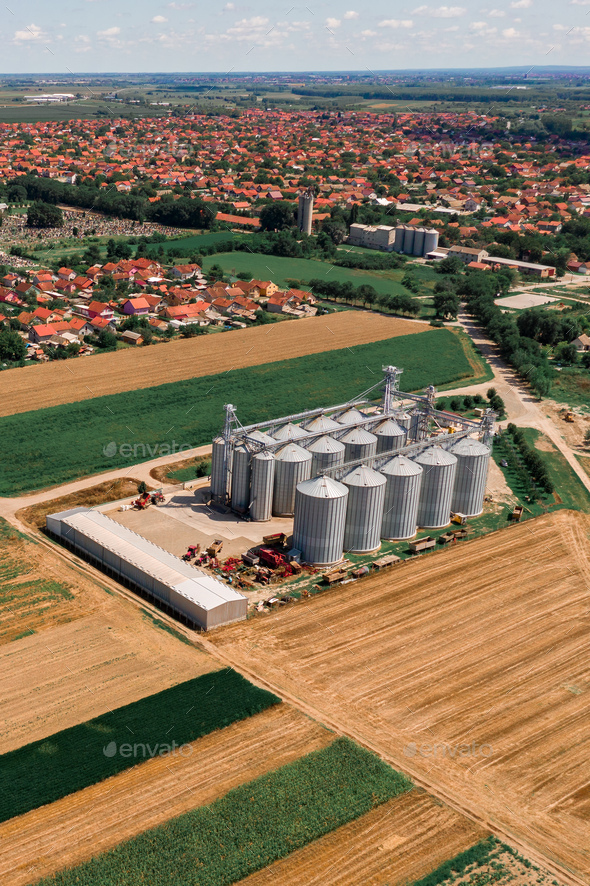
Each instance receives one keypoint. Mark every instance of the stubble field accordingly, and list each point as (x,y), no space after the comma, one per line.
(69,381)
(466,670)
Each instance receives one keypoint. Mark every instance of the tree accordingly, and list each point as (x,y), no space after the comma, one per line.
(468,402)
(44,215)
(335,229)
(491,393)
(586,360)
(107,340)
(566,353)
(12,346)
(277,216)
(192,329)
(446,304)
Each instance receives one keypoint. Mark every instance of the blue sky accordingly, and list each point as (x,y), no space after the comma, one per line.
(129,35)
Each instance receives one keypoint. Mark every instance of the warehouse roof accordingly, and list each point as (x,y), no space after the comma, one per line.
(192,583)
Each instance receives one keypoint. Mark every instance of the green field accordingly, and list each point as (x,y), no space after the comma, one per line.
(278,269)
(190,413)
(571,386)
(68,761)
(189,245)
(251,826)
(488,862)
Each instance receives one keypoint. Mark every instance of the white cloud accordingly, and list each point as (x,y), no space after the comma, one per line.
(396,23)
(351,14)
(333,23)
(110,32)
(579,2)
(368,33)
(31,34)
(521,4)
(441,11)
(496,13)
(478,26)
(229,7)
(510,33)
(159,20)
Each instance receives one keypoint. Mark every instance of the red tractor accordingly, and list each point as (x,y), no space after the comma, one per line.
(271,558)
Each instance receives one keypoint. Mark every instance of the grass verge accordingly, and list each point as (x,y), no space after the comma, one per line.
(68,761)
(251,826)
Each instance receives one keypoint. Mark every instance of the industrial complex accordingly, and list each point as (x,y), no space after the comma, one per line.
(409,239)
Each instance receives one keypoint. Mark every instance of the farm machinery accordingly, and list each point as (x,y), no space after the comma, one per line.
(149,498)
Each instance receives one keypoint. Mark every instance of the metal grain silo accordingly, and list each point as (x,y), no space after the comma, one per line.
(364,511)
(418,242)
(416,431)
(403,419)
(398,243)
(292,466)
(262,486)
(430,240)
(438,479)
(403,479)
(359,444)
(389,436)
(240,478)
(351,417)
(409,240)
(289,432)
(320,513)
(322,423)
(473,459)
(326,452)
(218,469)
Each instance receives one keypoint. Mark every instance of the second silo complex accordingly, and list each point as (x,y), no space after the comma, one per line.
(473,459)
(403,479)
(320,513)
(438,479)
(364,513)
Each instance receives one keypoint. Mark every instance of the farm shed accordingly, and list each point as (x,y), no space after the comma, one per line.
(185,591)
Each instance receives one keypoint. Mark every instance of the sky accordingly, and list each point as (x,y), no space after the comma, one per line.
(273,35)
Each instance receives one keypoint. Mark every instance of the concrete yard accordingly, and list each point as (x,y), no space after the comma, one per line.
(186,519)
(524,300)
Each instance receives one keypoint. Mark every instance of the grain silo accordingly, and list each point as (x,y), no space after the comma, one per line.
(240,480)
(403,419)
(418,249)
(389,436)
(409,240)
(262,486)
(430,240)
(289,432)
(402,494)
(398,243)
(359,444)
(417,430)
(326,452)
(438,479)
(218,469)
(351,417)
(473,460)
(292,466)
(322,423)
(364,511)
(320,513)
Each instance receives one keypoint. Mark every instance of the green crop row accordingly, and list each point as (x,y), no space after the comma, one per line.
(158,725)
(120,430)
(251,826)
(450,871)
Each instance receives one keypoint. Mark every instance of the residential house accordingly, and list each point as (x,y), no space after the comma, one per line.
(582,342)
(136,306)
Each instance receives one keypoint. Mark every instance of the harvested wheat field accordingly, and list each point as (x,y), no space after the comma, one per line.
(67,381)
(394,844)
(74,672)
(91,821)
(468,670)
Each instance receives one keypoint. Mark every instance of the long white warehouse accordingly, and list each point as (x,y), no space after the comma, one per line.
(184,590)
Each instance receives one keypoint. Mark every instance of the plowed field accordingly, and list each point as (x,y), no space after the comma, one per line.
(73,672)
(68,381)
(468,670)
(396,843)
(72,830)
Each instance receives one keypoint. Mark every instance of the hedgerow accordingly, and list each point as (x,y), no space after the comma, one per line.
(251,826)
(67,761)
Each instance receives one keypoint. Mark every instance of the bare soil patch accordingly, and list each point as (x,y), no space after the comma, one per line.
(91,821)
(68,381)
(396,843)
(573,432)
(465,669)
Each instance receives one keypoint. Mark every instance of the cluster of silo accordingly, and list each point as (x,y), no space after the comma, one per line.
(320,515)
(416,241)
(292,466)
(473,460)
(241,471)
(390,435)
(402,493)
